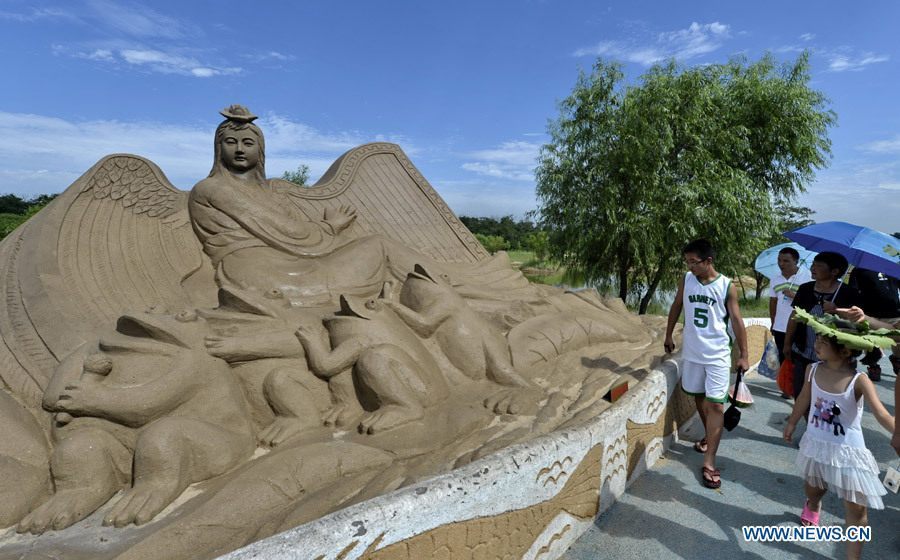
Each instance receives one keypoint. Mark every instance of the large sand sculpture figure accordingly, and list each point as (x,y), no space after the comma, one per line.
(185,373)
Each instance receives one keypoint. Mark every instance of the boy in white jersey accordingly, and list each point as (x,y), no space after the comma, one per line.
(709,301)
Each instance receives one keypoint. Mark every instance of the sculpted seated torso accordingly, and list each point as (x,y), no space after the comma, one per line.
(257,239)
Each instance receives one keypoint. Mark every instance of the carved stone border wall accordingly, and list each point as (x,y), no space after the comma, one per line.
(528,501)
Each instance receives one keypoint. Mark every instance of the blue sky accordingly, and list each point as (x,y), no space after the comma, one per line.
(466,88)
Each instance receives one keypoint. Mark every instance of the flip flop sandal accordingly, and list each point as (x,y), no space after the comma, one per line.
(809,517)
(709,482)
(700,446)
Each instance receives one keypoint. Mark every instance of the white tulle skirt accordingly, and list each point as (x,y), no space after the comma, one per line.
(850,472)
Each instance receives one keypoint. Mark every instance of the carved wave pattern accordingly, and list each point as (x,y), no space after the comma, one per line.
(507,535)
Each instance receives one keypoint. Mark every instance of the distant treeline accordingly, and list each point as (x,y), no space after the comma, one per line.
(514,232)
(15,210)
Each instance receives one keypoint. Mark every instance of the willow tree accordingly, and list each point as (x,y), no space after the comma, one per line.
(633,173)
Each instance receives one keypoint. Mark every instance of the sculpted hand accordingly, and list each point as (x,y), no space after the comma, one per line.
(306,332)
(341,218)
(80,397)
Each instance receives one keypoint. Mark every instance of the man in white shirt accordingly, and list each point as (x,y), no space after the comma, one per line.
(781,294)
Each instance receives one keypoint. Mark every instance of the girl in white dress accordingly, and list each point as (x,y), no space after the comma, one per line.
(833,454)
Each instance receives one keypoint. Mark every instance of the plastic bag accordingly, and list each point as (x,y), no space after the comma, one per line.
(740,397)
(785,377)
(769,364)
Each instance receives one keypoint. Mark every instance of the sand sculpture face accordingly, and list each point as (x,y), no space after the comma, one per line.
(295,348)
(240,150)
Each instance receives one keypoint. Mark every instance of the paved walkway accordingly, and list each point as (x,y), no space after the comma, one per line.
(666,513)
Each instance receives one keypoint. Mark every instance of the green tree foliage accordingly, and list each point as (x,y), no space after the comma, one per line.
(299,177)
(492,243)
(12,204)
(539,243)
(633,173)
(15,211)
(514,231)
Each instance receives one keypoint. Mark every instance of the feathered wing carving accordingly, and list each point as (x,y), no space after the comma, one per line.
(392,198)
(117,239)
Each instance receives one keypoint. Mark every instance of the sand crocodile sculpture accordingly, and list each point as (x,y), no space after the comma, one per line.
(183,373)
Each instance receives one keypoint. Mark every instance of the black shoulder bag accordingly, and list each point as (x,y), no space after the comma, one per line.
(733,414)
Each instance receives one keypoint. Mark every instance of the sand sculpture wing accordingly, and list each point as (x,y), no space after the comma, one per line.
(117,239)
(391,198)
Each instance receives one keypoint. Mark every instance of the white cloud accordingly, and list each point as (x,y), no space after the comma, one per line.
(100,54)
(883,146)
(807,37)
(52,152)
(874,205)
(511,160)
(154,60)
(682,44)
(37,14)
(139,21)
(270,55)
(846,61)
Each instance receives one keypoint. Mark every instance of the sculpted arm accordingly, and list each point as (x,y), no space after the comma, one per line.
(324,362)
(424,324)
(132,406)
(262,216)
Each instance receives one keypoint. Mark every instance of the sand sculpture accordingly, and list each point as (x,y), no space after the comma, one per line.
(185,373)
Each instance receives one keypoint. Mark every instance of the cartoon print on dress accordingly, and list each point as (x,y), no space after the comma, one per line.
(826,413)
(817,411)
(836,421)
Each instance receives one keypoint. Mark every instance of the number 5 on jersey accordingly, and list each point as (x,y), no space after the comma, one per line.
(701,317)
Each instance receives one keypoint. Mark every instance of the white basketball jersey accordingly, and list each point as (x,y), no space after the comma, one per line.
(706,338)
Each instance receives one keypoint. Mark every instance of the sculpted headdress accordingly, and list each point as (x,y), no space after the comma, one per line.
(238,113)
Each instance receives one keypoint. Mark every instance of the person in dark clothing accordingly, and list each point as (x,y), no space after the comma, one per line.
(880,299)
(824,294)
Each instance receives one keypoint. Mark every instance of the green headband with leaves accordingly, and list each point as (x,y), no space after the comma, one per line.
(856,336)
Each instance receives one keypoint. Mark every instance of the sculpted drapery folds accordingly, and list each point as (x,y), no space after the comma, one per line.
(256,237)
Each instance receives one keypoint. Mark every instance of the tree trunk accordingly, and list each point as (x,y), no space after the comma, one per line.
(760,282)
(624,266)
(623,281)
(741,284)
(651,288)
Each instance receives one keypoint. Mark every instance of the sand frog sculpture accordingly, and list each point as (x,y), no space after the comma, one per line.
(146,409)
(395,376)
(430,305)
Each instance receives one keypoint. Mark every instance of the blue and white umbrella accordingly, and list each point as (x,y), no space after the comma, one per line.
(767,261)
(863,247)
